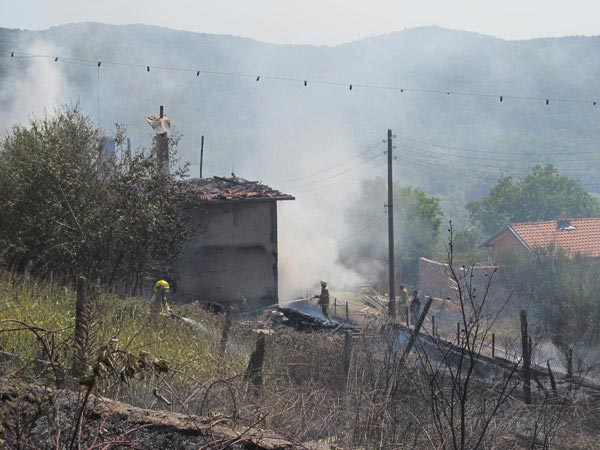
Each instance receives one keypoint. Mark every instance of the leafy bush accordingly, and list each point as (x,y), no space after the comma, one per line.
(68,207)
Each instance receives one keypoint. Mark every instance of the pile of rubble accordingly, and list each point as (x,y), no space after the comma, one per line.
(306,322)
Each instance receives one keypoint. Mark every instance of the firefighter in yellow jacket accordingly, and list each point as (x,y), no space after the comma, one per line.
(159,297)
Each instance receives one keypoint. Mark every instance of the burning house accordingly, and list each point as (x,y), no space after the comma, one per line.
(232,258)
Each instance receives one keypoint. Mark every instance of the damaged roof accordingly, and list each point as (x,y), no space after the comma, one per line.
(234,188)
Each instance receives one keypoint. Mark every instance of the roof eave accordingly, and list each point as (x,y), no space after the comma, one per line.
(255,200)
(491,240)
(516,235)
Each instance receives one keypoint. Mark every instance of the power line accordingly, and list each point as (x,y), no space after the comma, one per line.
(305,81)
(471,150)
(371,224)
(312,183)
(333,167)
(432,165)
(498,168)
(351,178)
(458,158)
(491,170)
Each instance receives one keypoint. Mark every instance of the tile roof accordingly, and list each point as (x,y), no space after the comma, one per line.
(584,237)
(234,188)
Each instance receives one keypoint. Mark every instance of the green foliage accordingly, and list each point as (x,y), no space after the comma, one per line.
(125,323)
(544,194)
(69,207)
(562,291)
(465,249)
(417,220)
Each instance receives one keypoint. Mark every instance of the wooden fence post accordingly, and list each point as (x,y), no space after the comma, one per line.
(254,371)
(347,312)
(225,334)
(433,326)
(526,358)
(334,306)
(415,332)
(551,376)
(347,356)
(80,325)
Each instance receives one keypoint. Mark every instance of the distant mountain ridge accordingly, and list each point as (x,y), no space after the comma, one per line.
(255,126)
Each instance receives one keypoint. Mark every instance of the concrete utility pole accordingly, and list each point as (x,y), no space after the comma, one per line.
(163,147)
(201,154)
(390,212)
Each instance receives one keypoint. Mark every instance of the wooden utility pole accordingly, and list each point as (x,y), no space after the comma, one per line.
(390,212)
(201,154)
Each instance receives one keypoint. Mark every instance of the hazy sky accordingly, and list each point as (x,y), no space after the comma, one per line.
(317,21)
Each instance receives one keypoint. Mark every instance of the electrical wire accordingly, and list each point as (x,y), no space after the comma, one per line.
(460,159)
(350,179)
(313,183)
(98,94)
(370,225)
(305,81)
(478,151)
(334,167)
(490,171)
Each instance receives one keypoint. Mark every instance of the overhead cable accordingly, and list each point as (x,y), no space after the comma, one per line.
(305,81)
(333,167)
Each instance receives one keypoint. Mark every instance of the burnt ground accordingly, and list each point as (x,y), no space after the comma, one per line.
(34,416)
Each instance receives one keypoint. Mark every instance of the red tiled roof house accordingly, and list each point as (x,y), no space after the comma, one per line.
(572,235)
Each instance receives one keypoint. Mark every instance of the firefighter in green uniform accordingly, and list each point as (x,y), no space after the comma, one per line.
(324,299)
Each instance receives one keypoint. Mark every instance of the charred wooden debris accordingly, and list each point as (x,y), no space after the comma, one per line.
(303,321)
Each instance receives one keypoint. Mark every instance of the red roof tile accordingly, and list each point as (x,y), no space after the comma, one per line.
(584,238)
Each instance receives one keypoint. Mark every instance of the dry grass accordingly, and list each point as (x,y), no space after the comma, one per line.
(306,393)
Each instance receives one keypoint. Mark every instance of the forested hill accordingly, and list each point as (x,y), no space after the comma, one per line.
(275,130)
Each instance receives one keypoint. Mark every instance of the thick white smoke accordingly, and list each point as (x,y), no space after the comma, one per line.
(32,86)
(308,252)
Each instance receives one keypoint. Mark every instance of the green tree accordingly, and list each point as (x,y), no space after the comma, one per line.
(560,290)
(417,221)
(544,194)
(69,207)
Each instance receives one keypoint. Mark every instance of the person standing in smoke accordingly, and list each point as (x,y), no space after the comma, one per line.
(404,304)
(415,308)
(324,299)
